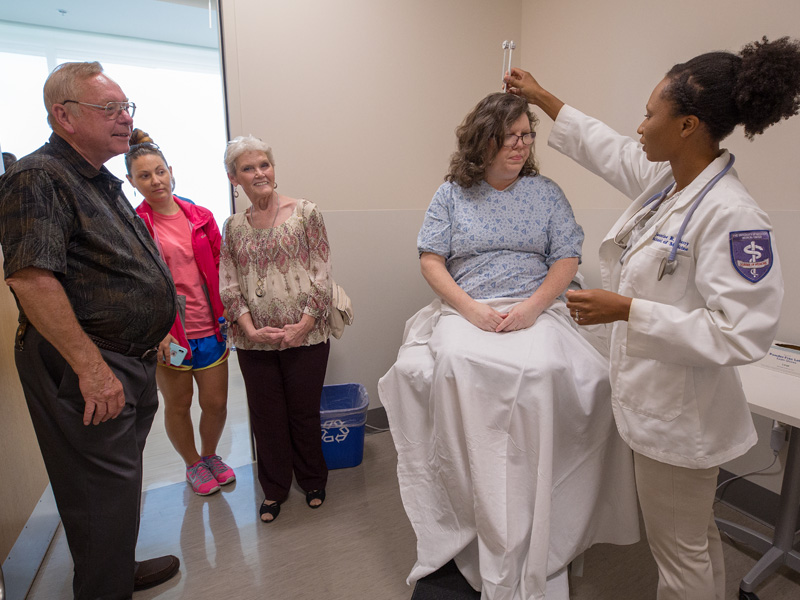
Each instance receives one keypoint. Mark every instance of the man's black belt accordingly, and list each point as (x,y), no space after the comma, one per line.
(124,348)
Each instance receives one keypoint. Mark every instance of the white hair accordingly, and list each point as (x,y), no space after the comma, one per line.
(240,145)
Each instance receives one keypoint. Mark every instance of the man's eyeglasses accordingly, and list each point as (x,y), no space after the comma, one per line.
(511,139)
(112,110)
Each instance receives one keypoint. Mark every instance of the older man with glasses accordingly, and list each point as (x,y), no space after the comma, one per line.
(95,299)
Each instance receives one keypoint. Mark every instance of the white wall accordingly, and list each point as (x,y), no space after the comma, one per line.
(360,98)
(605,58)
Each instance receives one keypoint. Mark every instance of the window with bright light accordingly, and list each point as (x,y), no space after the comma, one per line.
(177,90)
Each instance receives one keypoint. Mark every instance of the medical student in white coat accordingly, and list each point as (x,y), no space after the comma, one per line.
(681,323)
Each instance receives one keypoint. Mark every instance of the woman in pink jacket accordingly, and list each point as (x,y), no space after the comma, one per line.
(189,241)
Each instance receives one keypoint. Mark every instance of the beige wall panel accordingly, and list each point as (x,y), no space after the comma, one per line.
(374,257)
(22,467)
(360,98)
(605,58)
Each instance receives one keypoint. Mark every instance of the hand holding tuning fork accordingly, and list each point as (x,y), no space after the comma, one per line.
(508,49)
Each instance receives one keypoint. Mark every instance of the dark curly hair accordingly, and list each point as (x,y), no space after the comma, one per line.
(488,122)
(756,88)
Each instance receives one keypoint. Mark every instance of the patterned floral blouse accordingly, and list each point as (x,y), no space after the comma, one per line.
(276,274)
(500,244)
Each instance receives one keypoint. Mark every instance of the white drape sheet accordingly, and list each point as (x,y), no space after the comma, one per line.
(508,457)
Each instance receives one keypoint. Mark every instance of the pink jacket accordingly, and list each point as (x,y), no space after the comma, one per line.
(206,241)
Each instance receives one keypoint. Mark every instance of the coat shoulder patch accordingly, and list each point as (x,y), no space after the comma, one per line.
(751,253)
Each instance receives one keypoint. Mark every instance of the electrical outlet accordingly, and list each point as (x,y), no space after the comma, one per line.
(780,434)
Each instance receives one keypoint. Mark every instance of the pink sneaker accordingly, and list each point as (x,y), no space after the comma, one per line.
(202,481)
(222,472)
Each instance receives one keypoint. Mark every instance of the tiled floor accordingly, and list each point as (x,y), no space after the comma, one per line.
(358,546)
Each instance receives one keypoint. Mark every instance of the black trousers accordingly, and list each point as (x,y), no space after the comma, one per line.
(283,392)
(95,470)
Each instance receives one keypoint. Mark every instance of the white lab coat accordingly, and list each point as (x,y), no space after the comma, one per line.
(676,394)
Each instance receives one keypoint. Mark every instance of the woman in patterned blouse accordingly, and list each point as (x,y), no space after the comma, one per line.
(275,283)
(498,406)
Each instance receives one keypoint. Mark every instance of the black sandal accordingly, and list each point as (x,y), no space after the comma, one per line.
(315,495)
(273,509)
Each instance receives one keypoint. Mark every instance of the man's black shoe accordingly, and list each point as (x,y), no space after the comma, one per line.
(155,571)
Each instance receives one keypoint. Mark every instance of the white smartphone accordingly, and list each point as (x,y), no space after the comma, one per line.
(176,354)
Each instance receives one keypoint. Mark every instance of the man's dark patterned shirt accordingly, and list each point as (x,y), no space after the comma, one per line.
(59,213)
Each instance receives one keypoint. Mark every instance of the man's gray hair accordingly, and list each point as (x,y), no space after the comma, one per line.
(65,82)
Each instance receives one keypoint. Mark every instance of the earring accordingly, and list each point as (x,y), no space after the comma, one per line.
(274,185)
(235,192)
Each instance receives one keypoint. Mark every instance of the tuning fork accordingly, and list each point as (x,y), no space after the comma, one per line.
(508,49)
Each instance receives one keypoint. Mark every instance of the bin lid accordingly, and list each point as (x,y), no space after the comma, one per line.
(343,399)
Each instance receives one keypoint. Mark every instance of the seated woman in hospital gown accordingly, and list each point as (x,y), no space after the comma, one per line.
(508,458)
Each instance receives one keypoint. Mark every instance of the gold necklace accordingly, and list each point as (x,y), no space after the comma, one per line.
(260,281)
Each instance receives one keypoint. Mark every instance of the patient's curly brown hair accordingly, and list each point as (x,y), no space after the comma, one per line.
(481,135)
(756,88)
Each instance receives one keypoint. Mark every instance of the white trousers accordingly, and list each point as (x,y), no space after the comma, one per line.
(677,506)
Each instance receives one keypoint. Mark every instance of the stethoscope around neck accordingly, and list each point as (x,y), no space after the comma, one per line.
(669,263)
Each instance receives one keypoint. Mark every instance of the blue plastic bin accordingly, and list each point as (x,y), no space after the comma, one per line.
(343,413)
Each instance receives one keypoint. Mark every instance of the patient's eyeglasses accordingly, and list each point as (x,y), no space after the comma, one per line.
(511,139)
(112,110)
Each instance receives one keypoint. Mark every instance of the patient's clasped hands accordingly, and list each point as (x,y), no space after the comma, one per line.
(483,316)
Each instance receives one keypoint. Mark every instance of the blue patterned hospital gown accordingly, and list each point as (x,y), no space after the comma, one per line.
(500,244)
